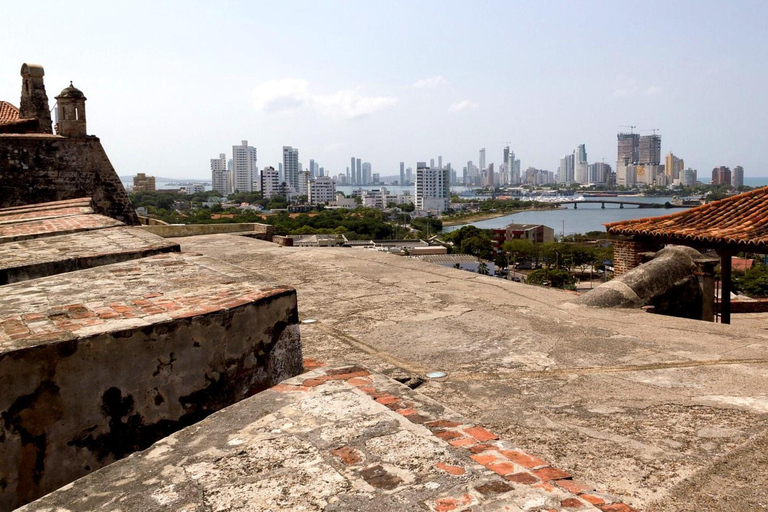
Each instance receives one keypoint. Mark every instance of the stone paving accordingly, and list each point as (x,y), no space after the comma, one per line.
(339,438)
(637,405)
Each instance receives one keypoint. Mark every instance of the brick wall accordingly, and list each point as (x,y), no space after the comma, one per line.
(43,168)
(627,255)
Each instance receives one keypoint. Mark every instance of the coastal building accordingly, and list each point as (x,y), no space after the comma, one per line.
(143,183)
(291,168)
(628,155)
(270,183)
(243,166)
(721,175)
(737,177)
(432,189)
(322,190)
(221,176)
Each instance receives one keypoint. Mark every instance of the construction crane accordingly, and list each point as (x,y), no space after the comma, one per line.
(631,127)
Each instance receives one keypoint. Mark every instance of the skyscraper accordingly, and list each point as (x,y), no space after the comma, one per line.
(649,150)
(482,159)
(402,173)
(352,178)
(366,173)
(737,177)
(291,168)
(721,175)
(565,173)
(359,172)
(673,167)
(580,165)
(312,171)
(440,161)
(628,145)
(244,166)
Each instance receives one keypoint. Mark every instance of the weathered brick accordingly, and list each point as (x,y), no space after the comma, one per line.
(347,455)
(502,468)
(447,435)
(451,470)
(443,424)
(524,459)
(484,458)
(522,478)
(550,473)
(463,442)
(480,434)
(574,486)
(572,503)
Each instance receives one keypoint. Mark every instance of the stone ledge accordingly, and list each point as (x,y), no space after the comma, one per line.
(17,231)
(92,374)
(40,257)
(338,438)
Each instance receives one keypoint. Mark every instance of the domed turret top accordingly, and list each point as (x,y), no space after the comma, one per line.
(71,92)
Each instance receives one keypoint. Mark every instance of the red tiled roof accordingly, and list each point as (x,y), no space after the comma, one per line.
(8,113)
(740,221)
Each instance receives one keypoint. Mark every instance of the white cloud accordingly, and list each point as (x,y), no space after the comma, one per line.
(280,95)
(291,94)
(429,83)
(462,105)
(350,104)
(653,90)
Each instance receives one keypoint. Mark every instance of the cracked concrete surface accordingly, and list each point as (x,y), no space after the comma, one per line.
(647,407)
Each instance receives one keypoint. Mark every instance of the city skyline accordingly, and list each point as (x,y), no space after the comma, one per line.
(695,76)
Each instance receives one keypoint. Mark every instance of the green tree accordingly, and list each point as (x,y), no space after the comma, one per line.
(482,268)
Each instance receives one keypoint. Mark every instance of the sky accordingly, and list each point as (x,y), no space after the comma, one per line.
(171,85)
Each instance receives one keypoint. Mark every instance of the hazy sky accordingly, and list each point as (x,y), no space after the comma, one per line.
(171,85)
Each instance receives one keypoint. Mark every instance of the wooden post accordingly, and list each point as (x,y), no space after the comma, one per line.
(725,286)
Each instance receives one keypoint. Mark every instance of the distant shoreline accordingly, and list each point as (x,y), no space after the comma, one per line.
(485,216)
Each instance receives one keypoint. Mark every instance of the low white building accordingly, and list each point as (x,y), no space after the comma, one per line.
(322,190)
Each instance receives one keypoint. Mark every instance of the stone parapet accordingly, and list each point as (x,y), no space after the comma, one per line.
(99,363)
(176,230)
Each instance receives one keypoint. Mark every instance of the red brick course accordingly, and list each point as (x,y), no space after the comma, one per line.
(514,466)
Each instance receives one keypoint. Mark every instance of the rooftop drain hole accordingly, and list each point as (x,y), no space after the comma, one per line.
(411,382)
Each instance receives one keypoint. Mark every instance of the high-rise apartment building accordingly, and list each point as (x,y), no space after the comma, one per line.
(565,173)
(482,159)
(673,167)
(721,175)
(409,174)
(402,173)
(688,177)
(580,165)
(440,161)
(221,177)
(359,172)
(628,154)
(649,150)
(244,167)
(352,177)
(322,190)
(366,173)
(432,188)
(291,168)
(270,182)
(737,177)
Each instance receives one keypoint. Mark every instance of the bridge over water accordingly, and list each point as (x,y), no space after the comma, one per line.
(621,203)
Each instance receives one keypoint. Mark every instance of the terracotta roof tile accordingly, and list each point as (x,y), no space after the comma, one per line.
(8,113)
(740,220)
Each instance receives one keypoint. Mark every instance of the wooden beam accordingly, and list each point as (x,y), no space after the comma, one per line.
(725,286)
